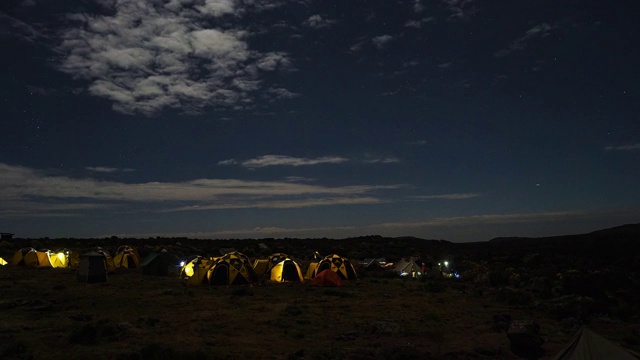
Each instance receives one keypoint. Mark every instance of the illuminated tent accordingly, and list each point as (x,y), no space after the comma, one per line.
(3,261)
(337,264)
(194,272)
(43,259)
(408,268)
(278,268)
(232,269)
(311,270)
(59,258)
(587,345)
(25,256)
(326,278)
(126,257)
(92,268)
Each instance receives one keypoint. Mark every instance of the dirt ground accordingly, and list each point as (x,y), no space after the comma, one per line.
(47,314)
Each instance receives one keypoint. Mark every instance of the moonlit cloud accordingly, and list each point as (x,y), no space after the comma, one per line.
(631,147)
(540,30)
(317,22)
(382,41)
(282,160)
(12,27)
(106,169)
(26,189)
(148,56)
(462,196)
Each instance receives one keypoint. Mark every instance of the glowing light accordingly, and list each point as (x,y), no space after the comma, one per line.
(446,263)
(60,256)
(182,263)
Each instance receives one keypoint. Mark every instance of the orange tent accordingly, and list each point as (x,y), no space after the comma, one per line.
(326,278)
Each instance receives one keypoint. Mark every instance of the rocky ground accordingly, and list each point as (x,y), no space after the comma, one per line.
(552,286)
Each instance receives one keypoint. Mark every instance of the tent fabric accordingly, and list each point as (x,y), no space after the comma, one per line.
(43,259)
(278,267)
(408,267)
(339,265)
(126,257)
(3,261)
(311,270)
(19,257)
(92,268)
(157,264)
(232,269)
(327,278)
(587,345)
(286,270)
(59,258)
(111,266)
(190,267)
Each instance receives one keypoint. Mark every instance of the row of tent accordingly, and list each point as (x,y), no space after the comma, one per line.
(235,268)
(125,257)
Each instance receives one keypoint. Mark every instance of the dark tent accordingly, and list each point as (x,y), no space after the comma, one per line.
(587,345)
(159,264)
(92,268)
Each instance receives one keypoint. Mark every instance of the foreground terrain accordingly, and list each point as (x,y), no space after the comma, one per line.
(558,283)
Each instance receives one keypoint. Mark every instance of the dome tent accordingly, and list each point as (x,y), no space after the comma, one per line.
(126,257)
(337,264)
(278,267)
(232,269)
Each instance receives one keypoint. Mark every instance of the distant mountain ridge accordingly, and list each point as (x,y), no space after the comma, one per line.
(623,232)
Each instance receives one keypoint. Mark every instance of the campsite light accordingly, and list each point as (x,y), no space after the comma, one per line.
(60,256)
(446,263)
(181,263)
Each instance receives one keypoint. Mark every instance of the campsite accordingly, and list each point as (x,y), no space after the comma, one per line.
(146,305)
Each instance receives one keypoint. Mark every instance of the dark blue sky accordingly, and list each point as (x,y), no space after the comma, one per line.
(454,119)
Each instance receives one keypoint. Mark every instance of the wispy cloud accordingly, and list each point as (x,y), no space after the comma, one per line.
(15,28)
(461,196)
(540,30)
(26,189)
(283,160)
(106,169)
(384,160)
(149,56)
(382,41)
(630,147)
(460,9)
(317,22)
(417,24)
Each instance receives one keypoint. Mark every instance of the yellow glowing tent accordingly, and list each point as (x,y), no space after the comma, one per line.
(337,264)
(2,261)
(232,269)
(278,267)
(59,259)
(21,258)
(43,259)
(126,257)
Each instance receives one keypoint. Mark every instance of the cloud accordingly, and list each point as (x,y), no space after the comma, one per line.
(11,27)
(105,169)
(255,232)
(33,191)
(540,30)
(631,147)
(382,41)
(317,22)
(460,9)
(385,160)
(149,56)
(461,196)
(282,93)
(417,24)
(282,160)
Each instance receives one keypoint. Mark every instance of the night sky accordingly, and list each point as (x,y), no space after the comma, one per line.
(460,120)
